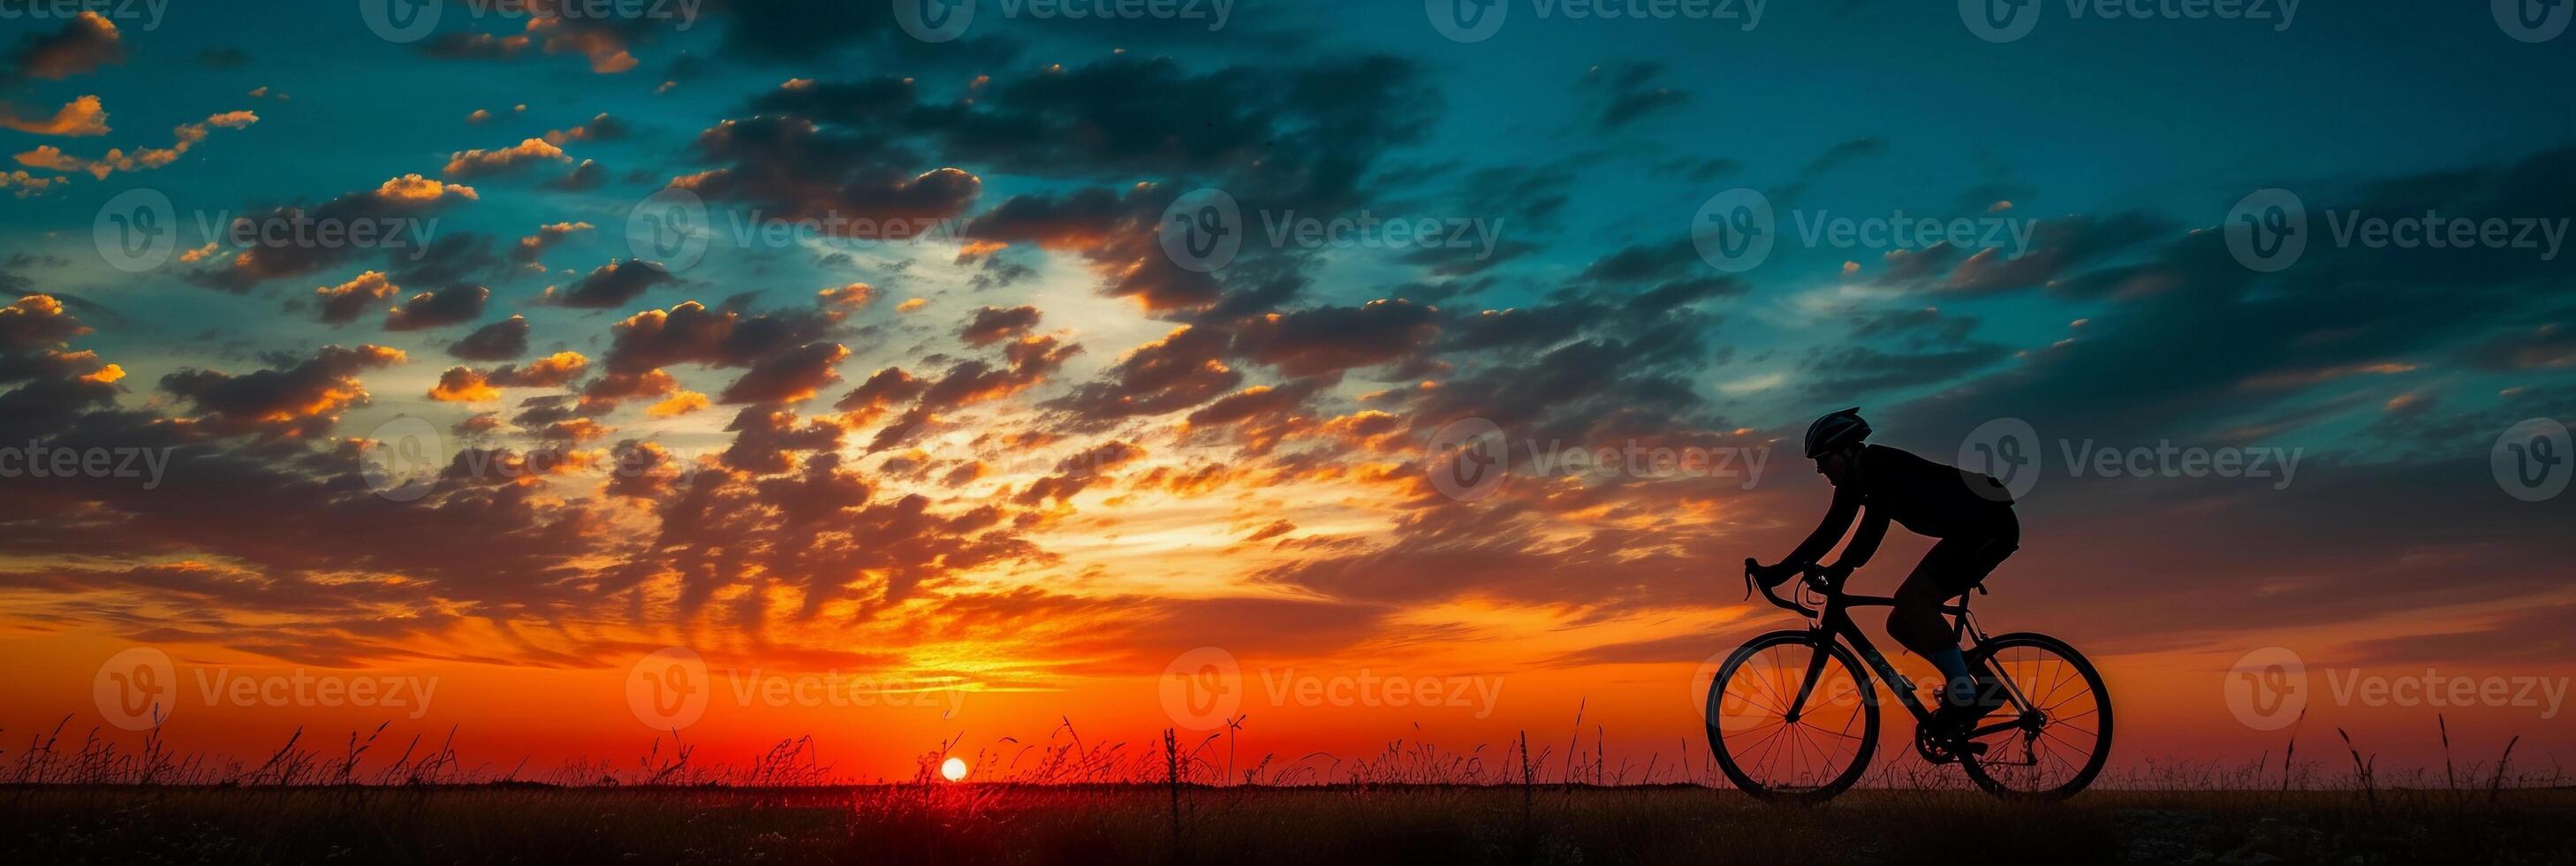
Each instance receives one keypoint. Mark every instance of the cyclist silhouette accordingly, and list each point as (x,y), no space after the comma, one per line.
(1971,513)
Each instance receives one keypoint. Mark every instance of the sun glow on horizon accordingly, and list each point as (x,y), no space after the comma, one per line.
(953,769)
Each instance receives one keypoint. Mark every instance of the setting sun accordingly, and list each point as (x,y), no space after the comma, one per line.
(953,769)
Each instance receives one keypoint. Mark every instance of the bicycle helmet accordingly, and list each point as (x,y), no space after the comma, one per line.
(1833,432)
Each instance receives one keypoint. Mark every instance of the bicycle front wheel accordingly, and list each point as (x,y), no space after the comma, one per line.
(2054,734)
(1777,746)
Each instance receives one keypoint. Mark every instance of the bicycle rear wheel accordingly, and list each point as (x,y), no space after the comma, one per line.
(2059,715)
(1776,748)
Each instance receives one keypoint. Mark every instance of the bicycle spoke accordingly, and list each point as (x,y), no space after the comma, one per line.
(1772,753)
(2072,713)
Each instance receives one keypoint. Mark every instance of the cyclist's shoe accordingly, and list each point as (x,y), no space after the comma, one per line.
(1955,717)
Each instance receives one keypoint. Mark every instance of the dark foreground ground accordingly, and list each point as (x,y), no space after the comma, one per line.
(1340,827)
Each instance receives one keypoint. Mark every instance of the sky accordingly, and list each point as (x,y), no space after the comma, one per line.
(573,375)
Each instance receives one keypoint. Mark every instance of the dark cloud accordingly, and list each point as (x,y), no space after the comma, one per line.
(349,301)
(1332,339)
(585,176)
(454,305)
(788,377)
(1644,262)
(2192,342)
(1296,138)
(1118,234)
(301,399)
(499,341)
(452,258)
(1628,92)
(1833,159)
(1183,369)
(279,253)
(612,285)
(557,27)
(792,168)
(85,43)
(884,390)
(990,325)
(534,247)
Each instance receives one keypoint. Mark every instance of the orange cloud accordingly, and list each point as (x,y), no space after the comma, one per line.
(84,116)
(117,159)
(478,163)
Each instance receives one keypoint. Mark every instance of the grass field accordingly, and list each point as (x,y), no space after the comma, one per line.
(943,823)
(1071,799)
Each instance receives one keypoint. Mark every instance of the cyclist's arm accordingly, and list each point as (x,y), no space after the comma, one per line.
(1838,519)
(1864,544)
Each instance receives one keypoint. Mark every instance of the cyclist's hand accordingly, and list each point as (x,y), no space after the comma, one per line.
(1835,573)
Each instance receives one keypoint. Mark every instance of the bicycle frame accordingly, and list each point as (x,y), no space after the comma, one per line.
(1835,623)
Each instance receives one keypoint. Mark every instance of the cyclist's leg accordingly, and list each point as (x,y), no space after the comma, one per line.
(1954,566)
(1945,572)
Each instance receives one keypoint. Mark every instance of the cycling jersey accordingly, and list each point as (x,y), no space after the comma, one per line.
(1925,497)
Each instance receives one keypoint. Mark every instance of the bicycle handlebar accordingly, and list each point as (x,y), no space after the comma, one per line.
(1810,572)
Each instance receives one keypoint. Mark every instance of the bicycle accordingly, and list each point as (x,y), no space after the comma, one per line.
(1763,714)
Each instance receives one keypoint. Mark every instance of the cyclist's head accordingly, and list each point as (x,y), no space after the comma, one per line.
(1836,432)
